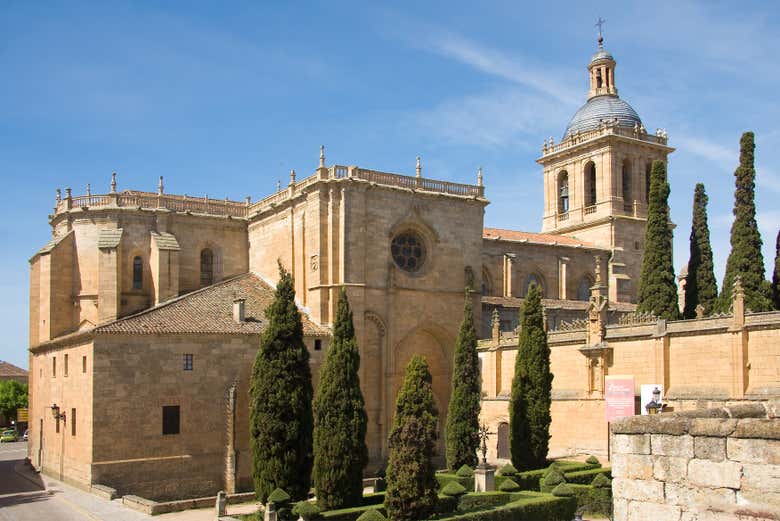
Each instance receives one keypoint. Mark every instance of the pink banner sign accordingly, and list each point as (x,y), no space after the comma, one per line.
(618,396)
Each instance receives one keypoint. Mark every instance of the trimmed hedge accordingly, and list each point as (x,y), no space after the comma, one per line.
(585,477)
(508,485)
(351,514)
(445,477)
(593,500)
(377,498)
(524,506)
(453,488)
(507,470)
(447,504)
(482,500)
(465,472)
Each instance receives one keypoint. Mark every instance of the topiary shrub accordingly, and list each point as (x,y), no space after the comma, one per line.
(371,515)
(563,490)
(555,465)
(593,460)
(601,481)
(306,510)
(509,486)
(551,480)
(507,470)
(482,500)
(465,472)
(453,488)
(584,477)
(278,497)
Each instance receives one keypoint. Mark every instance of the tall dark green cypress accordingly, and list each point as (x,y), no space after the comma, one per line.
(700,285)
(411,480)
(776,275)
(529,404)
(280,419)
(340,451)
(746,259)
(657,288)
(462,430)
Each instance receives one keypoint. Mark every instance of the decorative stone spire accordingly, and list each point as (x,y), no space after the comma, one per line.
(479,176)
(419,167)
(278,185)
(292,177)
(598,270)
(58,195)
(113,182)
(89,190)
(322,156)
(495,325)
(160,186)
(67,193)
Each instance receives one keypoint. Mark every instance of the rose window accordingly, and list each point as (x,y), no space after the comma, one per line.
(408,251)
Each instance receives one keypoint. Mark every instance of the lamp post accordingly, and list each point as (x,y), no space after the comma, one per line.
(57,415)
(655,405)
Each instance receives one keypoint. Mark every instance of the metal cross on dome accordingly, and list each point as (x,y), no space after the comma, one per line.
(600,24)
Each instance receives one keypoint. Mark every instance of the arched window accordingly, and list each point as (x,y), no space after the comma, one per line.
(628,194)
(647,183)
(502,450)
(138,273)
(487,282)
(563,192)
(206,267)
(583,289)
(533,279)
(590,183)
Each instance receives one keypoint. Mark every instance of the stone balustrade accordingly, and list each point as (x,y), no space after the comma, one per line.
(606,129)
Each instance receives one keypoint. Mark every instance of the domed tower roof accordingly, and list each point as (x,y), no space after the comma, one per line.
(603,105)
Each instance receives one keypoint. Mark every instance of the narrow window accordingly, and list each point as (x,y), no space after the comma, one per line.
(590,184)
(563,192)
(583,290)
(188,361)
(65,366)
(73,422)
(170,419)
(318,345)
(138,273)
(54,368)
(206,267)
(57,425)
(647,183)
(84,364)
(628,198)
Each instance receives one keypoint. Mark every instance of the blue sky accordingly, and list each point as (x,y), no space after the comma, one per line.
(225,98)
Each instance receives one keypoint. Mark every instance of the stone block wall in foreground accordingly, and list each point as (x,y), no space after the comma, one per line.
(705,465)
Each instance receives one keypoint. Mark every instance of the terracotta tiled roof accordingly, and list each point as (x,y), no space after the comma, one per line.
(9,370)
(209,310)
(535,238)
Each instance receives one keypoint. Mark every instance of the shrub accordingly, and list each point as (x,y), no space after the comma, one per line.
(371,515)
(508,485)
(465,472)
(584,477)
(593,460)
(482,500)
(373,499)
(278,497)
(445,477)
(453,488)
(507,470)
(350,514)
(601,481)
(523,506)
(447,504)
(563,490)
(307,510)
(593,500)
(551,480)
(554,465)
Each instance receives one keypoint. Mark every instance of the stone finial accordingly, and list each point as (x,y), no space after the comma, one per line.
(544,146)
(248,200)
(479,176)
(89,190)
(739,291)
(699,312)
(495,325)
(292,177)
(160,186)
(598,269)
(278,185)
(419,167)
(322,156)
(113,182)
(67,193)
(58,195)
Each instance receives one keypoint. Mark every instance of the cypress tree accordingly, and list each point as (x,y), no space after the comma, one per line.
(340,451)
(657,288)
(411,482)
(280,420)
(529,404)
(462,430)
(745,259)
(700,286)
(776,275)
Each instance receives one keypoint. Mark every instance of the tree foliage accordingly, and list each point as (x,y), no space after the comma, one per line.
(745,259)
(700,285)
(340,451)
(529,404)
(462,430)
(776,275)
(411,482)
(13,395)
(657,288)
(280,420)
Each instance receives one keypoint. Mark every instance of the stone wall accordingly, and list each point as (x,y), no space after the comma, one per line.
(713,464)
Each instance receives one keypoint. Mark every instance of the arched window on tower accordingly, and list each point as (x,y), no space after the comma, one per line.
(628,197)
(138,273)
(590,183)
(563,192)
(647,182)
(206,267)
(583,289)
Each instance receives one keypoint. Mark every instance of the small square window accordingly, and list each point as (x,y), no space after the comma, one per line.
(318,345)
(188,361)
(83,364)
(170,419)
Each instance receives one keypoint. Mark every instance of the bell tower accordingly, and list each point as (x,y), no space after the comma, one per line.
(596,179)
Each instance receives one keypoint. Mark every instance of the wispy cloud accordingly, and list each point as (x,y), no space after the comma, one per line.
(709,150)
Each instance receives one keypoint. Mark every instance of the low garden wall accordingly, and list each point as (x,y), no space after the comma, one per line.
(712,464)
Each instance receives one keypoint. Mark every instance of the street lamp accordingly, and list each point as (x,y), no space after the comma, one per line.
(55,412)
(654,407)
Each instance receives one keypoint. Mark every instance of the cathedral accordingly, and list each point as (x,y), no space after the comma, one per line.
(146,308)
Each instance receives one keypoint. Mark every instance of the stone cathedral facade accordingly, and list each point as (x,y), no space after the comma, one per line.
(146,307)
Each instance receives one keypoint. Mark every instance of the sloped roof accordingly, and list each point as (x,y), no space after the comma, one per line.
(109,238)
(49,246)
(165,241)
(209,311)
(535,238)
(10,370)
